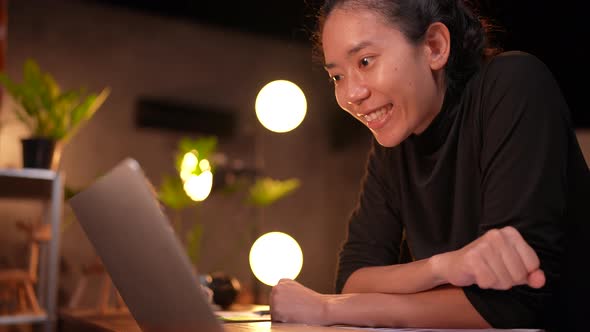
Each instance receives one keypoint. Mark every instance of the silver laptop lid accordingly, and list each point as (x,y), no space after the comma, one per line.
(123,220)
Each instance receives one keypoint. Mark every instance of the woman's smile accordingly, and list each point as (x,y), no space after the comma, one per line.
(377,118)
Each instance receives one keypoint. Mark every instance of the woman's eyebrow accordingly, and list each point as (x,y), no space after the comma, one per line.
(352,51)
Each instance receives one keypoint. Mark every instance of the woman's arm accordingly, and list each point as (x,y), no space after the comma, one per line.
(375,230)
(443,307)
(500,259)
(406,278)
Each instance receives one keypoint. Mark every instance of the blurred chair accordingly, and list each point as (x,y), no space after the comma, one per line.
(106,293)
(24,280)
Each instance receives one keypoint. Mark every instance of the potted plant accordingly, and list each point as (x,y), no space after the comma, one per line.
(173,195)
(53,116)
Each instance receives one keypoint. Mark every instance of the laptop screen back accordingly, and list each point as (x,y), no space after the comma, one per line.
(123,220)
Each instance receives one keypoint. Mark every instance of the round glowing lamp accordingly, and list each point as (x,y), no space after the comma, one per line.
(274,256)
(280,106)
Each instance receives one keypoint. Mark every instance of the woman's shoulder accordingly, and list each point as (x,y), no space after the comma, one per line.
(513,57)
(514,73)
(515,66)
(508,86)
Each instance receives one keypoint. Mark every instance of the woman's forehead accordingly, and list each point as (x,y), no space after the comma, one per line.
(343,22)
(344,29)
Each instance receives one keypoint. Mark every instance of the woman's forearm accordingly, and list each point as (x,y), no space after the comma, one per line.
(407,278)
(499,259)
(443,307)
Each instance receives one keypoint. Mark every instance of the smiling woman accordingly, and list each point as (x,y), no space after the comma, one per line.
(357,53)
(475,167)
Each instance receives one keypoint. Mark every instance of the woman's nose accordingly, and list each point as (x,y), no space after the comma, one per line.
(357,91)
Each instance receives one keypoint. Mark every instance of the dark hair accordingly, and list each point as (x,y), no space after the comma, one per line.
(469,42)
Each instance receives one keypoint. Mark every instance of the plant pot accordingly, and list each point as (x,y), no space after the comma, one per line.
(38,152)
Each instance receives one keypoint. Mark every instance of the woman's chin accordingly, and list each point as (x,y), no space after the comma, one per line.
(389,139)
(388,143)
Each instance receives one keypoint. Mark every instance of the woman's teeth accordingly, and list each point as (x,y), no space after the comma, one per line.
(377,114)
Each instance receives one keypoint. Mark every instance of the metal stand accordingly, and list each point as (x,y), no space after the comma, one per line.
(44,185)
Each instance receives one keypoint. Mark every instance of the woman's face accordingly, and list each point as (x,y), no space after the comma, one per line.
(379,77)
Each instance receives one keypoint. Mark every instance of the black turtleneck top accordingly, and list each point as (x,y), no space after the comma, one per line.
(502,153)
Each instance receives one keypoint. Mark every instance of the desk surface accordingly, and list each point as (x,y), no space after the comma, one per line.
(125,323)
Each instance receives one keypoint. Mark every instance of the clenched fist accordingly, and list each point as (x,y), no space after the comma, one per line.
(499,259)
(291,302)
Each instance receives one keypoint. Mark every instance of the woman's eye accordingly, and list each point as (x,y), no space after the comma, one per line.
(335,78)
(365,62)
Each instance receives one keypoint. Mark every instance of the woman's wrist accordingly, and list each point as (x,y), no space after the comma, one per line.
(372,309)
(330,309)
(343,309)
(438,267)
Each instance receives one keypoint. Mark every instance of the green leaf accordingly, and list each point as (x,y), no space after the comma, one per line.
(45,109)
(266,191)
(80,111)
(52,86)
(86,111)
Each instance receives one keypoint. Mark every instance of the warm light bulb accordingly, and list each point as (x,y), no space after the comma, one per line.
(280,106)
(275,256)
(198,187)
(188,165)
(204,165)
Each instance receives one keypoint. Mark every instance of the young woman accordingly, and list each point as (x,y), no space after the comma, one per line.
(475,167)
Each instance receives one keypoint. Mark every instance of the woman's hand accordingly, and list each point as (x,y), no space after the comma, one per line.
(291,302)
(499,259)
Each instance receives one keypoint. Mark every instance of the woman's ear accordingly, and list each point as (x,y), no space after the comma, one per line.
(438,45)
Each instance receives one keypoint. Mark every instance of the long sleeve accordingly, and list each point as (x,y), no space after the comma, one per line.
(374,230)
(523,165)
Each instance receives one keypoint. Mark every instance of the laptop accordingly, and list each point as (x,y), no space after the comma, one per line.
(123,220)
